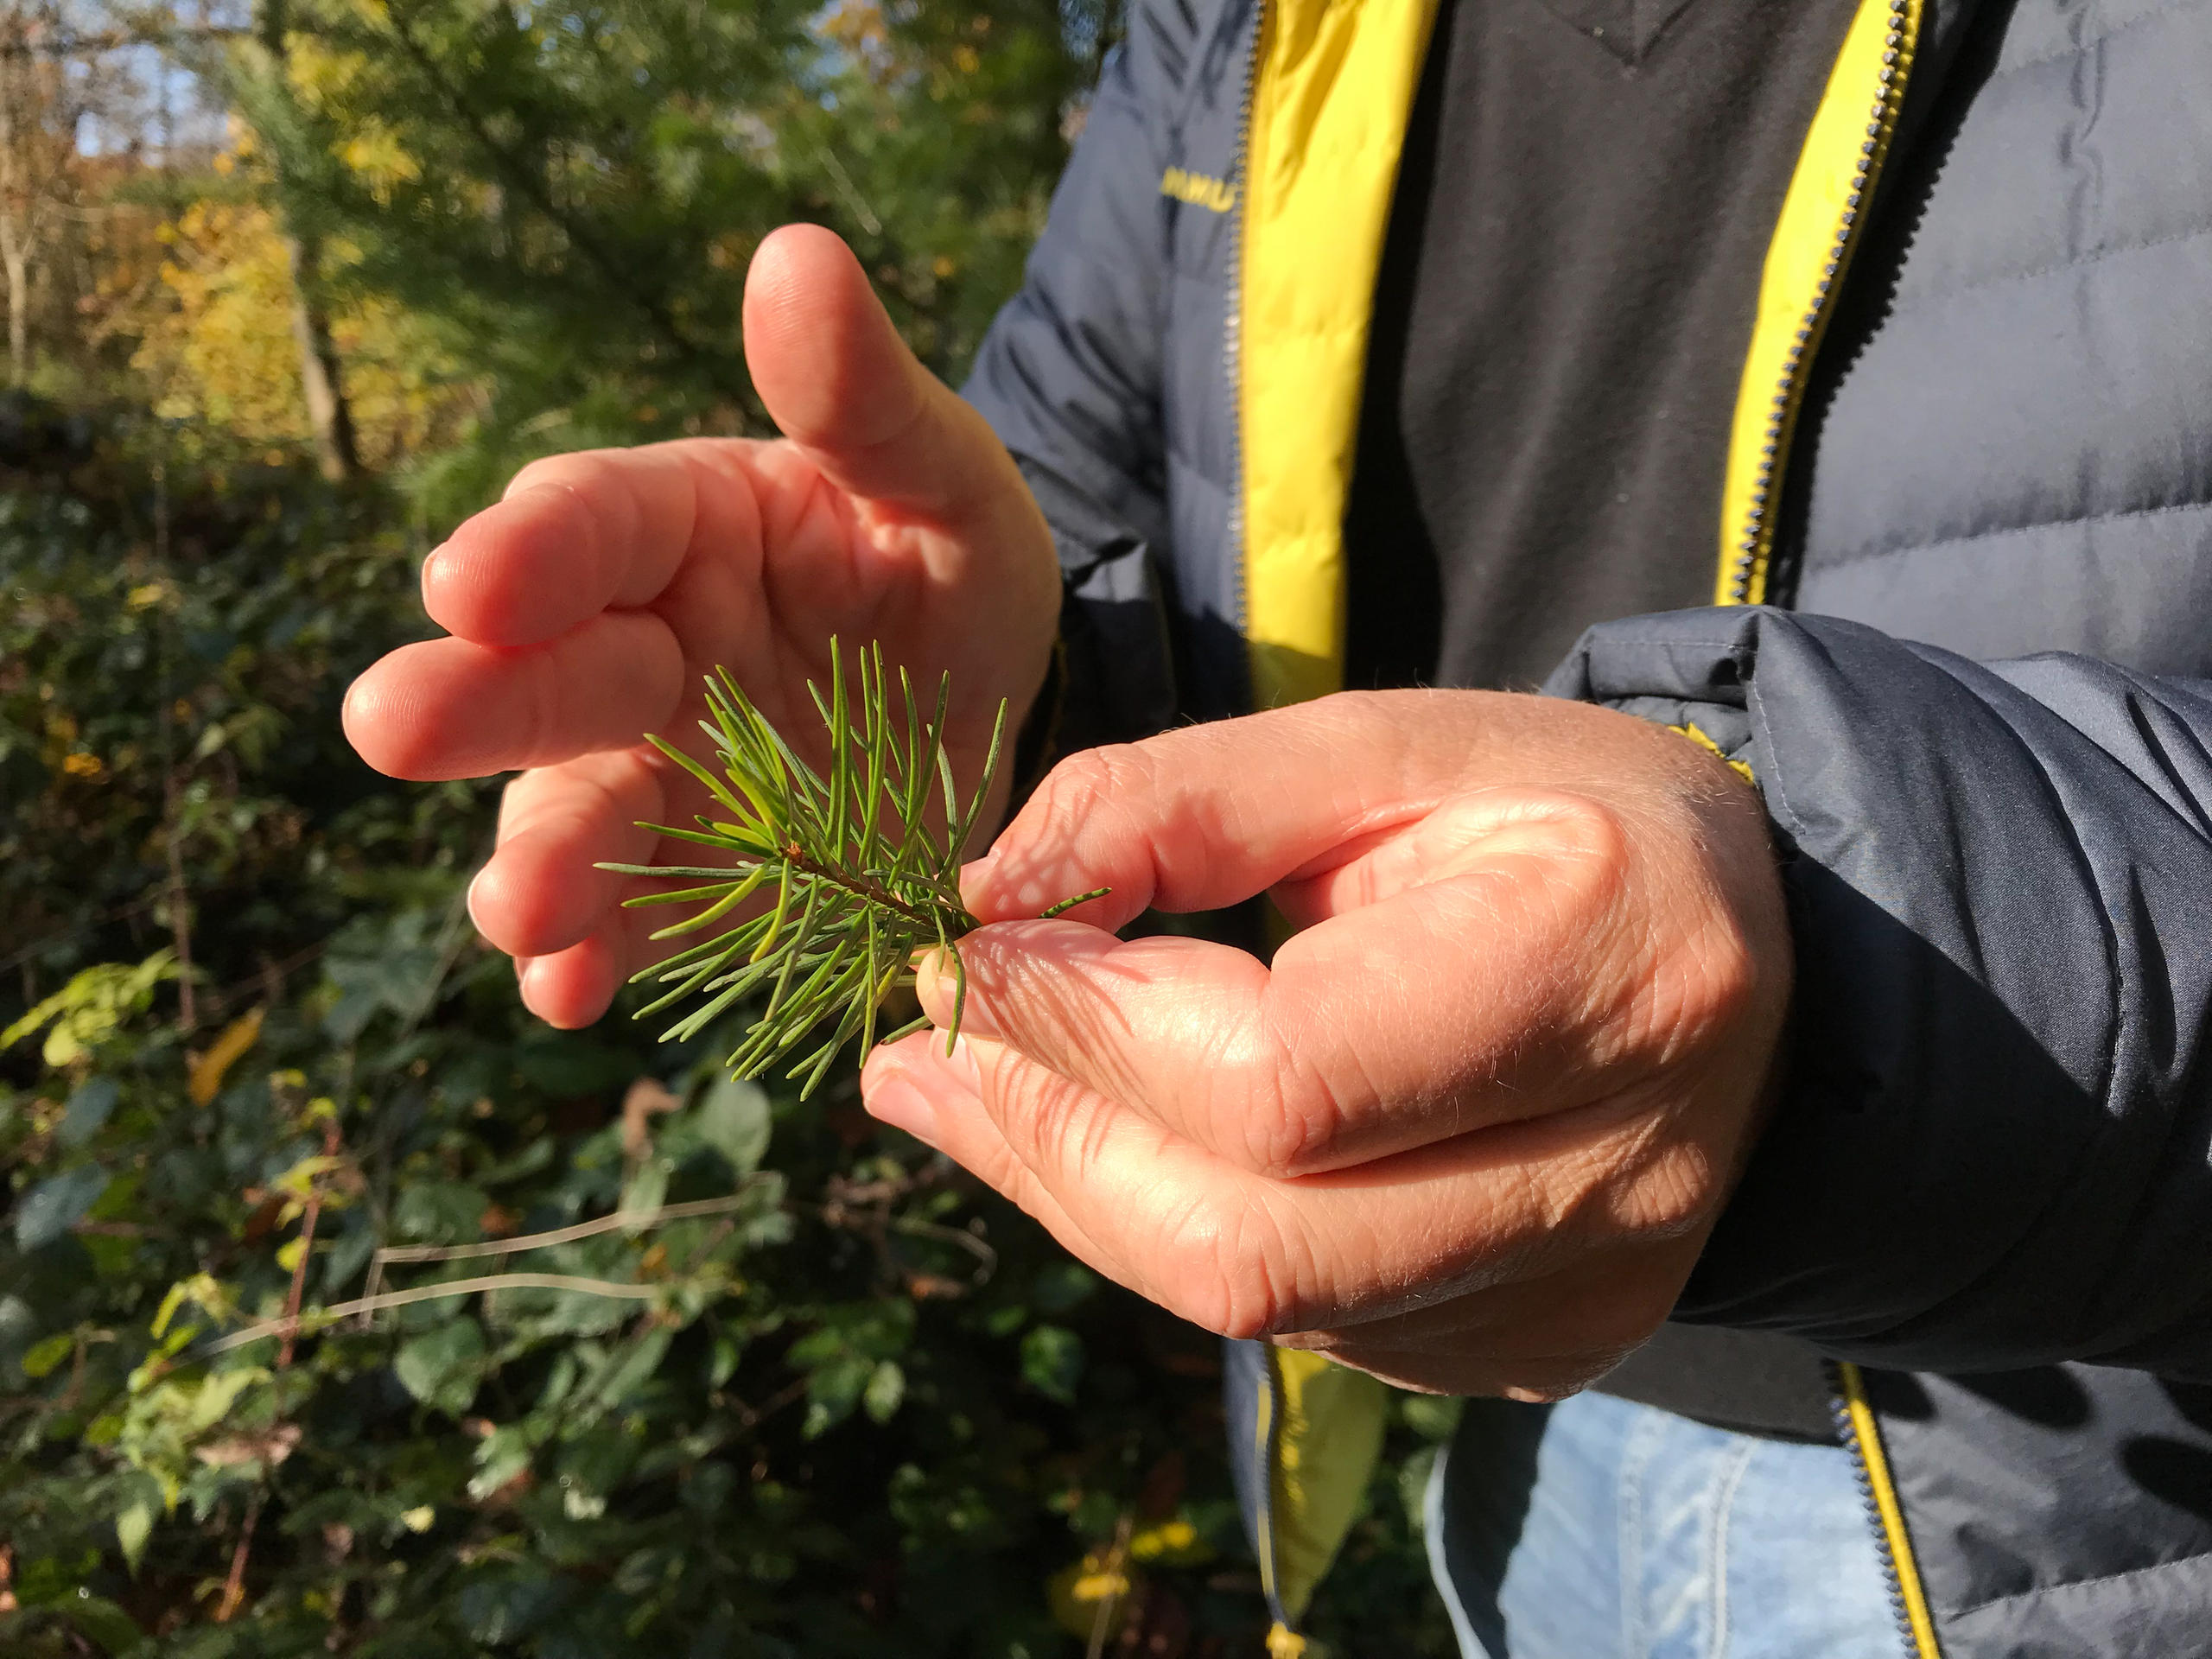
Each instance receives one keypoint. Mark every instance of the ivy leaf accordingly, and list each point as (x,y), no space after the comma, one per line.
(439,1212)
(443,1366)
(503,1605)
(1052,1362)
(833,1390)
(504,1454)
(105,1623)
(631,1372)
(378,969)
(887,1391)
(90,1108)
(132,1527)
(732,1118)
(52,1207)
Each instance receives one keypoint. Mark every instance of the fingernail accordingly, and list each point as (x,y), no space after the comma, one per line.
(898,1103)
(937,983)
(976,876)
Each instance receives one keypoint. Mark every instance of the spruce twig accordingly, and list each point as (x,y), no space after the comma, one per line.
(861,884)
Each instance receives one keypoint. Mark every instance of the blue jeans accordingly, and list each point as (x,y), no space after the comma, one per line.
(1595,1528)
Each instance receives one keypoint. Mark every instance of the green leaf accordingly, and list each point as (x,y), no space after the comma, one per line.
(636,1368)
(218,1394)
(89,1109)
(503,1454)
(887,1390)
(645,1191)
(595,1462)
(734,1119)
(1061,1286)
(44,1356)
(387,968)
(104,1622)
(439,1212)
(833,1389)
(89,1010)
(1052,1362)
(442,1367)
(505,1605)
(132,1529)
(52,1207)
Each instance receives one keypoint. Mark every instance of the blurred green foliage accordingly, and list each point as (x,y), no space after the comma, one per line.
(781,1381)
(570,194)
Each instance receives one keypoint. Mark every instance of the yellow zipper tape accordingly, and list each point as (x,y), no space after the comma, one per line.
(1333,88)
(1868,1433)
(1827,203)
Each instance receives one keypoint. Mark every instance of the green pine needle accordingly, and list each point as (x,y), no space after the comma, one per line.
(861,883)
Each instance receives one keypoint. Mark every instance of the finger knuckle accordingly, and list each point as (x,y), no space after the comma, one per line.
(1676,1192)
(1262,1112)
(1725,980)
(1082,783)
(1289,1122)
(1223,1268)
(1587,876)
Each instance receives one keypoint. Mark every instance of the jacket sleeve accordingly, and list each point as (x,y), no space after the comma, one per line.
(1069,378)
(1993,1146)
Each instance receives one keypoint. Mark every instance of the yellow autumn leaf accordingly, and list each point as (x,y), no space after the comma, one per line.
(208,1070)
(377,157)
(1079,1591)
(1171,1542)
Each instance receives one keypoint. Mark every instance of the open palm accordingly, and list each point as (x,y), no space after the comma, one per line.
(584,609)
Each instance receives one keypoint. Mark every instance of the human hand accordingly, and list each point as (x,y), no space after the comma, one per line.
(1471,1129)
(584,609)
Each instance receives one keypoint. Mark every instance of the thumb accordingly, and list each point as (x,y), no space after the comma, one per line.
(839,381)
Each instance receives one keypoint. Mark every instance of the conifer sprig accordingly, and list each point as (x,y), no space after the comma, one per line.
(860,881)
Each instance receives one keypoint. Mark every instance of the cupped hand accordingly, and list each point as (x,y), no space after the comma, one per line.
(585,607)
(1470,1129)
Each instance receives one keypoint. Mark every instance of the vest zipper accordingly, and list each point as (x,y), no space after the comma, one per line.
(1856,1429)
(1283,1642)
(1232,335)
(1753,541)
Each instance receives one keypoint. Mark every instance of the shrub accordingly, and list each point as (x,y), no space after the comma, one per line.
(779,1381)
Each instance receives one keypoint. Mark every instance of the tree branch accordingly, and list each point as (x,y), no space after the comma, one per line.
(524,178)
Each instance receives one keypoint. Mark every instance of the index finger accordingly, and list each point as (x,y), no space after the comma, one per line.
(579,534)
(1459,1003)
(1208,815)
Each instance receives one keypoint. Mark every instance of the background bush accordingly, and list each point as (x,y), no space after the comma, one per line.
(808,1390)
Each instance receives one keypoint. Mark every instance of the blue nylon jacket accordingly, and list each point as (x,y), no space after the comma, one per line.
(1980,719)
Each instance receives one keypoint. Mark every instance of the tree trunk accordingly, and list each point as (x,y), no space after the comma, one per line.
(320,371)
(19,121)
(19,309)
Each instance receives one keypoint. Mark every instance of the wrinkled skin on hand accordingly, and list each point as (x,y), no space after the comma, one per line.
(584,609)
(1471,1129)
